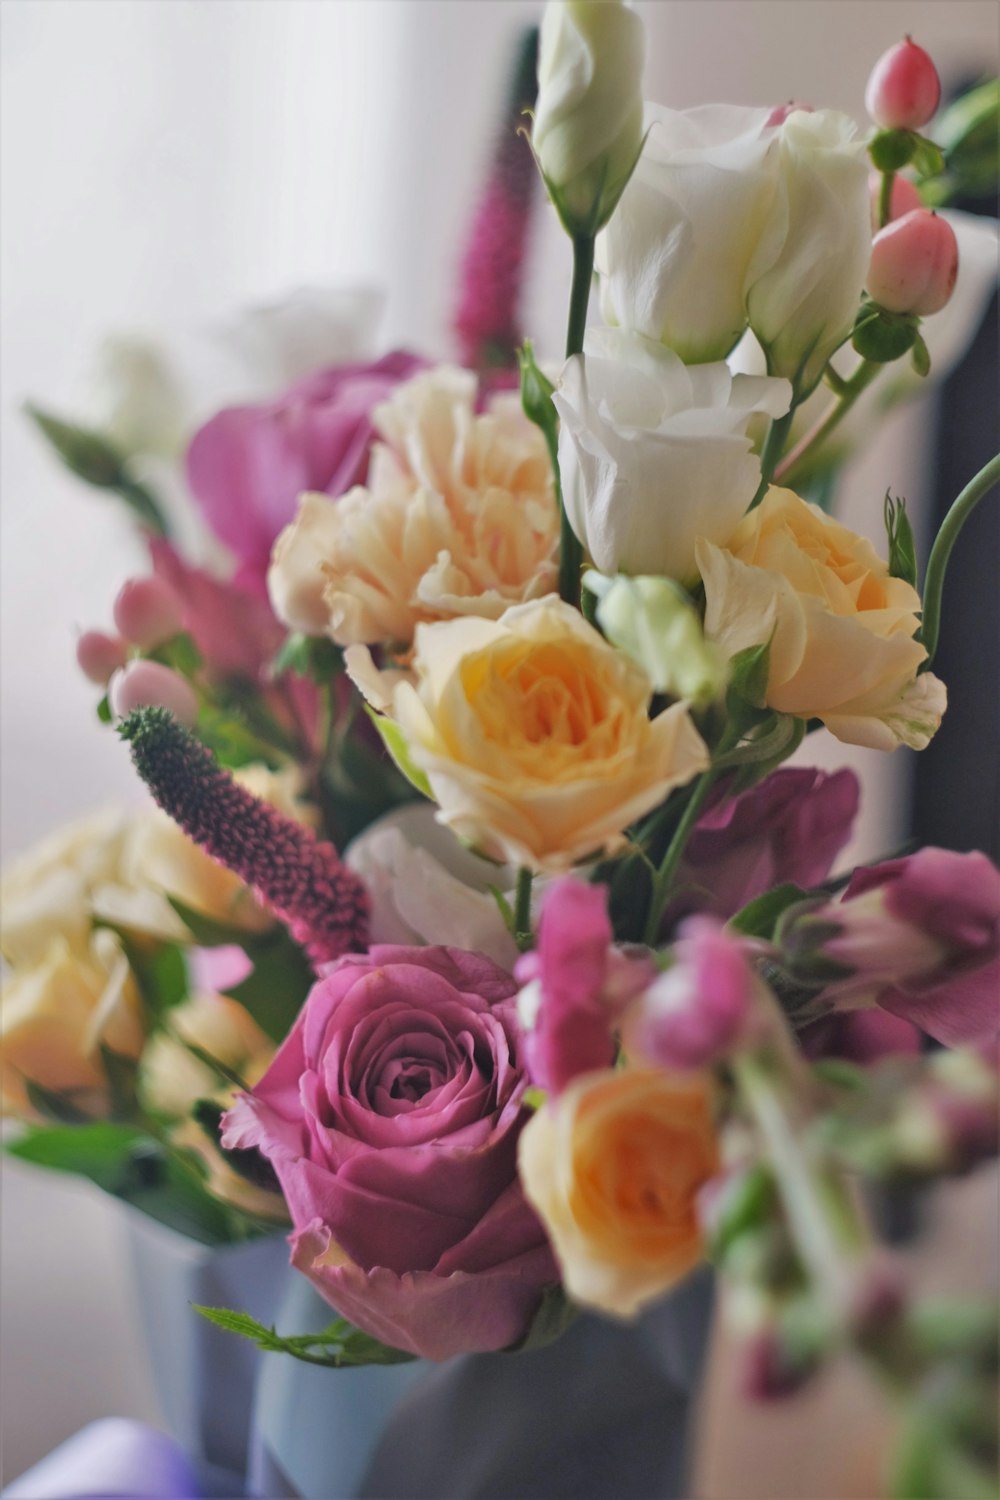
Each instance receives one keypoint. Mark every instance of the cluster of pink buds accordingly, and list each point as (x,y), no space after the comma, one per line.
(147,614)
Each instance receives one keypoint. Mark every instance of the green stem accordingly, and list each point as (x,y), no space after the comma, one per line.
(522,909)
(570,550)
(663,879)
(885,199)
(817,435)
(771,452)
(977,489)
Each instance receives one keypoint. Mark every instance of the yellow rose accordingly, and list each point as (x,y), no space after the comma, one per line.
(54,1017)
(533,733)
(172,1079)
(45,893)
(458,518)
(841,629)
(613,1168)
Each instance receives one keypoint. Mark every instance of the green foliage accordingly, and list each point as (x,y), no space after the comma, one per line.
(882,336)
(309,656)
(902,548)
(160,972)
(748,681)
(969,133)
(555,1314)
(93,458)
(536,399)
(395,742)
(339,1346)
(281,978)
(890,150)
(759,918)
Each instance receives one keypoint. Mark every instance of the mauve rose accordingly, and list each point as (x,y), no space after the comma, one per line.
(248,465)
(391,1115)
(789,828)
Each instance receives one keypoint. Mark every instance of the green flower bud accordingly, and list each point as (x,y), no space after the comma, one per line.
(653,621)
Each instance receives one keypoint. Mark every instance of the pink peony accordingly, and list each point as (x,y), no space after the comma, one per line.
(789,828)
(391,1115)
(248,465)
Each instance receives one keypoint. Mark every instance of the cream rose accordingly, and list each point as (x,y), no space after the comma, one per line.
(613,1168)
(533,733)
(173,1079)
(56,1014)
(841,629)
(458,518)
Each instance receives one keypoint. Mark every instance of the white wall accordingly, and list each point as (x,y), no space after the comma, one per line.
(162,162)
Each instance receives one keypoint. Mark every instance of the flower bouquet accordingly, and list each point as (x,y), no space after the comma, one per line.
(480,934)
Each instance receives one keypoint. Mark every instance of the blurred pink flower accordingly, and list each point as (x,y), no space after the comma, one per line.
(696,1010)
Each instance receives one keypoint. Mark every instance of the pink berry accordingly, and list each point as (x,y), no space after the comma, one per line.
(914,264)
(99,656)
(780,112)
(904,89)
(904,197)
(147,612)
(144,684)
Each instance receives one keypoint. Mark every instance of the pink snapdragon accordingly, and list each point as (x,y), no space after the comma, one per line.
(698,1009)
(575,986)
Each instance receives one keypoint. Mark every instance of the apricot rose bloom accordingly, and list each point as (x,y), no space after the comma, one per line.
(613,1168)
(841,628)
(458,518)
(533,733)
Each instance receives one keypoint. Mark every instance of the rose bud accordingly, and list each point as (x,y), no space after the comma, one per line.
(147,612)
(148,684)
(904,89)
(904,197)
(99,656)
(914,264)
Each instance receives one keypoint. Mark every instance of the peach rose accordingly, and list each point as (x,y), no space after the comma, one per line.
(533,733)
(841,629)
(458,518)
(55,1016)
(613,1168)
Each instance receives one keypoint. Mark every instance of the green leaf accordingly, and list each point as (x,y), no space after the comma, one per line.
(555,1314)
(748,679)
(902,548)
(338,1346)
(760,917)
(55,1105)
(920,357)
(97,1150)
(86,453)
(927,157)
(395,742)
(281,978)
(536,397)
(181,653)
(122,1074)
(104,710)
(308,656)
(160,972)
(746,1204)
(208,932)
(231,740)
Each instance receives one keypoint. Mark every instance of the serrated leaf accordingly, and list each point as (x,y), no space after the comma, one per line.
(760,917)
(338,1346)
(395,742)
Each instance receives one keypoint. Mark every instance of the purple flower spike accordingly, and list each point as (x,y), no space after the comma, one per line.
(322,902)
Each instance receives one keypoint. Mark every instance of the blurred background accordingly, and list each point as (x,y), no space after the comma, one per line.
(165,162)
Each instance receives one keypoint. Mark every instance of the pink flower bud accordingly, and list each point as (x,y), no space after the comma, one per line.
(904,197)
(914,264)
(149,684)
(147,612)
(99,656)
(780,112)
(696,1010)
(904,89)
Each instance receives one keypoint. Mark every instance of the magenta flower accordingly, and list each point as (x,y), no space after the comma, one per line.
(918,937)
(391,1115)
(789,828)
(696,1010)
(577,986)
(248,465)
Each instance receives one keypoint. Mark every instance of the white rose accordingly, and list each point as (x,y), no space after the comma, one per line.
(675,257)
(804,284)
(587,131)
(654,454)
(426,887)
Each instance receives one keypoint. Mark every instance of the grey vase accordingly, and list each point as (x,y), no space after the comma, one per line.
(603,1412)
(204,1378)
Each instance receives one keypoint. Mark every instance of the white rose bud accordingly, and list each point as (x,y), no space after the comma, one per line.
(587,132)
(655,623)
(654,454)
(805,282)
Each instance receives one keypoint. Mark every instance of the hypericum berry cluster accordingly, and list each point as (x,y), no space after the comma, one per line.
(322,902)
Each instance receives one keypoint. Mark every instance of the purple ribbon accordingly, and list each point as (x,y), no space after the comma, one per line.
(111,1458)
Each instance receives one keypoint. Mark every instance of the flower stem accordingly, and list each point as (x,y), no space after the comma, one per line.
(885,199)
(663,879)
(570,550)
(977,489)
(817,435)
(522,909)
(771,452)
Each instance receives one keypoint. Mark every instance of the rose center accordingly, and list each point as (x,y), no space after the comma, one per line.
(411,1083)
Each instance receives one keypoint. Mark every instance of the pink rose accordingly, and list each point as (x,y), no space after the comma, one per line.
(248,465)
(789,828)
(391,1115)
